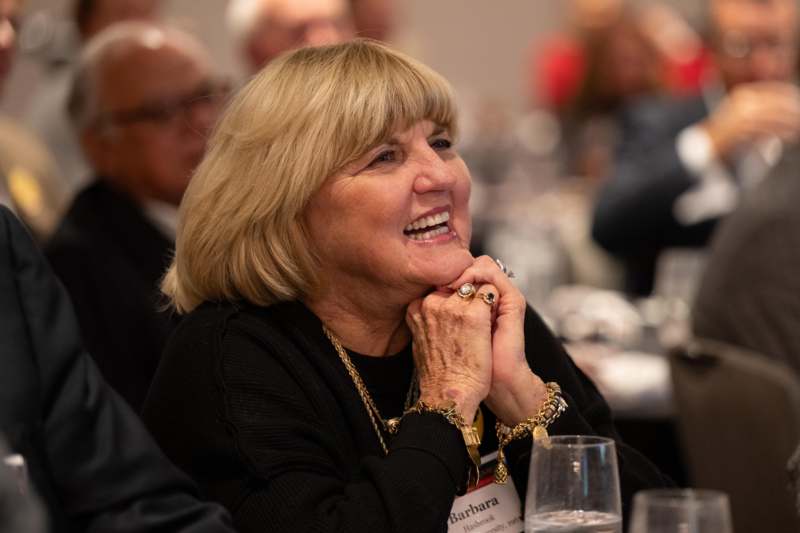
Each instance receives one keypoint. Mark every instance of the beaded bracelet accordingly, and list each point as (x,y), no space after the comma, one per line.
(537,425)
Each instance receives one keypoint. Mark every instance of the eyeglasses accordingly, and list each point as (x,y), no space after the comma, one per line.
(738,46)
(171,112)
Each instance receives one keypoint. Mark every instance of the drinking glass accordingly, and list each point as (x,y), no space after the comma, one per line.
(573,486)
(19,470)
(680,511)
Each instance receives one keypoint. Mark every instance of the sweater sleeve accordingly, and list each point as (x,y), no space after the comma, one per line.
(587,414)
(300,469)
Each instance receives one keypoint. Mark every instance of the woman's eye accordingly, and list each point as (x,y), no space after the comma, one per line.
(387,156)
(441,144)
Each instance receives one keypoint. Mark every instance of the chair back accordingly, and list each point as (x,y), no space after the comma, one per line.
(739,421)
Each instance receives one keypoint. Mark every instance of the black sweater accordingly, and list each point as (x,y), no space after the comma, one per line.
(256,406)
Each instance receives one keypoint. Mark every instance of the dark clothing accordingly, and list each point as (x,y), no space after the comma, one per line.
(111,258)
(750,293)
(256,405)
(90,459)
(634,216)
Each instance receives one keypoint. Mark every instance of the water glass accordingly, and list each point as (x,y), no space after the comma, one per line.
(681,511)
(573,486)
(15,463)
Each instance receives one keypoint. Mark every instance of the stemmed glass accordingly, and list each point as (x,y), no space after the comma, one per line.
(573,486)
(680,511)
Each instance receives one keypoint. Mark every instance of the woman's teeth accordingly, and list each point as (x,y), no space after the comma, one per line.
(425,222)
(429,234)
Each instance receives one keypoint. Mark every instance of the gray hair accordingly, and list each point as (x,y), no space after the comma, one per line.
(115,43)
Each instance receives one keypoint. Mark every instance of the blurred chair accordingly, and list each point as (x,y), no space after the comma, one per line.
(739,419)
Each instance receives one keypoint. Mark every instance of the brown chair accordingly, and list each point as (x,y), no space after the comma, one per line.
(739,421)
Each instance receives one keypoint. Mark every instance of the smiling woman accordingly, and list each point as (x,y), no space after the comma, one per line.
(342,350)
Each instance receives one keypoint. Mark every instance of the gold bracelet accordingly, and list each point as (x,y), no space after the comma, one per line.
(472,439)
(537,425)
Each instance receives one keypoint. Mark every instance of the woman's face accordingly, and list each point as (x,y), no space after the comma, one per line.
(397,219)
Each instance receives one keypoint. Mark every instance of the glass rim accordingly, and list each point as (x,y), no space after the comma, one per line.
(678,496)
(580,441)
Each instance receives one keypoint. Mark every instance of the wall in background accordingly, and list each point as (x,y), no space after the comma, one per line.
(482,47)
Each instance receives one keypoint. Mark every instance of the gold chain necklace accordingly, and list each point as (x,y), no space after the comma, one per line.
(379,424)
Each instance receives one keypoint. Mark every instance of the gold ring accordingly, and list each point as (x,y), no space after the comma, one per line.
(489,298)
(466,291)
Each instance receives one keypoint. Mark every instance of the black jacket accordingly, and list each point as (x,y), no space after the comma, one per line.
(90,459)
(111,258)
(255,404)
(633,216)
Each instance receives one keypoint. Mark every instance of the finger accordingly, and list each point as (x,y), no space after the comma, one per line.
(488,295)
(473,307)
(414,307)
(485,270)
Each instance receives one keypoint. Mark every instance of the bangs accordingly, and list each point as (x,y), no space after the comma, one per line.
(384,93)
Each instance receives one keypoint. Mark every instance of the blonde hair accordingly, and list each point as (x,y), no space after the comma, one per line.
(242,233)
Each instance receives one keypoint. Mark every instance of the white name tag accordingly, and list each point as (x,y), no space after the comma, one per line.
(488,508)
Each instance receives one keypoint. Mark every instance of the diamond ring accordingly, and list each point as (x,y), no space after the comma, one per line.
(466,291)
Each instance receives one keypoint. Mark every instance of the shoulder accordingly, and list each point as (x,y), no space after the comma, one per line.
(8,224)
(77,229)
(224,359)
(230,336)
(19,251)
(767,220)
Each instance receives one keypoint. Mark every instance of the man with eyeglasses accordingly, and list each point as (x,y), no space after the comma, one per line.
(144,99)
(682,164)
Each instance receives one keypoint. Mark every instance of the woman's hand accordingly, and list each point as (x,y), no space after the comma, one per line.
(516,392)
(452,343)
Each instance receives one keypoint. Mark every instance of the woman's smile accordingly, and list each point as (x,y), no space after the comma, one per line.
(433,226)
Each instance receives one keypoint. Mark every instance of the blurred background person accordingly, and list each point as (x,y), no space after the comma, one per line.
(77,447)
(47,115)
(606,57)
(85,453)
(263,29)
(143,100)
(30,182)
(749,295)
(681,163)
(611,53)
(374,19)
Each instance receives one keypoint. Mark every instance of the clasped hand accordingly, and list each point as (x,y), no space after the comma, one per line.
(468,350)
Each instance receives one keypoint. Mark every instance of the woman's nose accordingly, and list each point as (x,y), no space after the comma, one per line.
(433,174)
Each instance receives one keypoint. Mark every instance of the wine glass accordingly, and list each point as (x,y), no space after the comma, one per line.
(573,486)
(680,511)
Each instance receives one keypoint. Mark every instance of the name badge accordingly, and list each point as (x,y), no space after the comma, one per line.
(489,507)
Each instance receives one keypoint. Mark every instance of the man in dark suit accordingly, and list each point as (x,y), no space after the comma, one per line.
(88,456)
(143,101)
(682,164)
(750,293)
